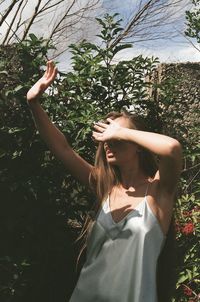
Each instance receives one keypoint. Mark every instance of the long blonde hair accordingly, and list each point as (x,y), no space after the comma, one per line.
(105,176)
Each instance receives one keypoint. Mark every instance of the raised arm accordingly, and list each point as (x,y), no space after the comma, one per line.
(53,137)
(168,149)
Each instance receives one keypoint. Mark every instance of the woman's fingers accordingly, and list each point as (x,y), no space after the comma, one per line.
(52,75)
(51,71)
(47,70)
(110,120)
(51,67)
(99,128)
(55,71)
(43,83)
(101,125)
(97,136)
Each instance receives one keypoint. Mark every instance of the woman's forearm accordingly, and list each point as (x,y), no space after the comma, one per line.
(52,136)
(157,143)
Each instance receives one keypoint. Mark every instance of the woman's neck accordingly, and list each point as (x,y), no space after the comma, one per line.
(131,176)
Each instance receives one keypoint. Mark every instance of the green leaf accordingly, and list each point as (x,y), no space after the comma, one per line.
(4,72)
(182,279)
(121,47)
(18,88)
(15,130)
(33,37)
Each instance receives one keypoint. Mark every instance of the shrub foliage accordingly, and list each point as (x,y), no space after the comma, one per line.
(42,207)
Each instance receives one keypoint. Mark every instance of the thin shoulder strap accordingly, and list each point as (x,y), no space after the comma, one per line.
(147,188)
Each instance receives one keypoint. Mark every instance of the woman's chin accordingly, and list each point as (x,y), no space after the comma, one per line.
(111,159)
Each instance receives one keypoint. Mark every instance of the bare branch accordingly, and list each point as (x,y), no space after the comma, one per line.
(65,18)
(22,22)
(45,7)
(191,168)
(193,178)
(12,22)
(133,22)
(32,19)
(61,20)
(189,40)
(9,9)
(149,15)
(18,25)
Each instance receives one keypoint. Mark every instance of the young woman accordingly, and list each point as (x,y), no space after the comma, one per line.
(135,201)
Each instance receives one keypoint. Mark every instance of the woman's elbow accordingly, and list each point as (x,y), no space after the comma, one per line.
(175,149)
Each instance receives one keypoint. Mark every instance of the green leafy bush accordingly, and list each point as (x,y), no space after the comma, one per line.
(42,207)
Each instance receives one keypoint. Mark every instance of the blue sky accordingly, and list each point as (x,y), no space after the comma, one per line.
(173,47)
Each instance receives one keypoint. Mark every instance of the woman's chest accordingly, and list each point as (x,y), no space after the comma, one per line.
(121,203)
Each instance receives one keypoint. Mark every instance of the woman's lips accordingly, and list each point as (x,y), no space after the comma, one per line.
(110,153)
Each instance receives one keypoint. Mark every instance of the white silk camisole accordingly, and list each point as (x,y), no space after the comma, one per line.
(121,257)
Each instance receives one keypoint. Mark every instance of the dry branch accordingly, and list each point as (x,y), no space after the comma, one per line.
(19,24)
(56,27)
(7,12)
(150,14)
(32,19)
(12,22)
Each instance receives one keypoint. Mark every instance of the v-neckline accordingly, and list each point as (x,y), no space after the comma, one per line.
(126,216)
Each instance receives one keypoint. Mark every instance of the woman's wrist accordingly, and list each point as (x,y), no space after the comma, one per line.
(125,134)
(33,102)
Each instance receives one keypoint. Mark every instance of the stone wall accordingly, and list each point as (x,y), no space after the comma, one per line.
(180,100)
